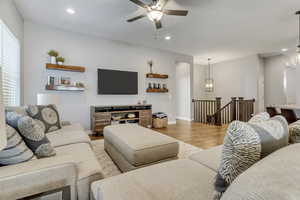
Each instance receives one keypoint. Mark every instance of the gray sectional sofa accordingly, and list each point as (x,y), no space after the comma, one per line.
(275,177)
(75,166)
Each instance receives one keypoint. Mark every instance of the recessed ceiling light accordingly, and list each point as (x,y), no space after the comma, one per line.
(70,11)
(168,38)
(284,50)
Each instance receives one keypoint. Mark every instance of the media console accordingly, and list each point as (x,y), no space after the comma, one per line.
(102,116)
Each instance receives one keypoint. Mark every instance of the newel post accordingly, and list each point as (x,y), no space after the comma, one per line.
(233,109)
(218,121)
(241,109)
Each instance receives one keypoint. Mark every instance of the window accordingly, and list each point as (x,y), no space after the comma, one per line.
(9,66)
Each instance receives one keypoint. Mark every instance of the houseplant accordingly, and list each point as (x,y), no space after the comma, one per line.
(60,60)
(53,54)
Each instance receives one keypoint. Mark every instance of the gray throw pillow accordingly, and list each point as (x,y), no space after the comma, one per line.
(16,150)
(32,133)
(47,115)
(247,143)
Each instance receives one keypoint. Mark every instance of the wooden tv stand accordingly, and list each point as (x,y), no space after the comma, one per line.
(102,116)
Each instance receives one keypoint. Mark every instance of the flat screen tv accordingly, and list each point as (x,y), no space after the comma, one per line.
(113,82)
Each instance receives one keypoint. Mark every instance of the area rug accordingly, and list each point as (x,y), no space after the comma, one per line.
(110,169)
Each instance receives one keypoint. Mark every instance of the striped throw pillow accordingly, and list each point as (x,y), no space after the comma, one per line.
(247,143)
(16,150)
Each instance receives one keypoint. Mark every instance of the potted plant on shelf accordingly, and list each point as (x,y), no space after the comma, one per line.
(60,60)
(53,54)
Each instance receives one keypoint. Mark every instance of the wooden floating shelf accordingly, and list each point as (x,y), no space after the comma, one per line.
(152,90)
(161,76)
(65,88)
(65,68)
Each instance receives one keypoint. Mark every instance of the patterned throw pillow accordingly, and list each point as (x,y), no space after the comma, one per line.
(247,143)
(16,150)
(32,133)
(47,115)
(261,117)
(294,131)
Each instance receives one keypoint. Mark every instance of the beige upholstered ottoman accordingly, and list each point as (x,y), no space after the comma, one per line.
(131,146)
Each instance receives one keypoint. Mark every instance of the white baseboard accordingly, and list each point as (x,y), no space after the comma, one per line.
(184,118)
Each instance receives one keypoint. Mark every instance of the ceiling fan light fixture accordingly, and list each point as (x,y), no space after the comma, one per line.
(155,15)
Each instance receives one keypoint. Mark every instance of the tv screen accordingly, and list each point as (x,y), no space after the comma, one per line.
(117,82)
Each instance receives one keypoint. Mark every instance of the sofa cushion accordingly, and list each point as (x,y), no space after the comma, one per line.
(174,180)
(88,167)
(260,117)
(48,115)
(16,150)
(18,109)
(294,131)
(32,133)
(275,177)
(68,135)
(210,158)
(247,143)
(141,145)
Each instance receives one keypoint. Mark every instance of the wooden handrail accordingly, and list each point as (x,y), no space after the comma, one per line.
(211,112)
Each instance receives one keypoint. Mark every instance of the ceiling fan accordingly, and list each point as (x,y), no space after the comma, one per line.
(155,11)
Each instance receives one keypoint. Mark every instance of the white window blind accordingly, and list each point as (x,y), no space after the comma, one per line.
(9,66)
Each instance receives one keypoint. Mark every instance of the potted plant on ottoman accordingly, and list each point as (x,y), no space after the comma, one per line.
(53,54)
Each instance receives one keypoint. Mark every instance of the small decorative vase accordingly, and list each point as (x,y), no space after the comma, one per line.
(150,86)
(53,60)
(60,63)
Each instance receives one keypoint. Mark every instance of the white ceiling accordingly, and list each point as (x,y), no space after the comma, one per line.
(221,29)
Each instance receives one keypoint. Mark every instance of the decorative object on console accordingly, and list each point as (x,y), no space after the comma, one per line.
(247,143)
(33,133)
(53,55)
(47,114)
(16,150)
(60,60)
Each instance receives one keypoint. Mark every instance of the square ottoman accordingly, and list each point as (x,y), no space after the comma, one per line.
(131,146)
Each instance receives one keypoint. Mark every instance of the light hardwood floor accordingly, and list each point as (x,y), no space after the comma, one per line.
(197,134)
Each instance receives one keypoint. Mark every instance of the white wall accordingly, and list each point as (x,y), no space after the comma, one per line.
(234,78)
(183,91)
(94,53)
(199,81)
(274,80)
(12,18)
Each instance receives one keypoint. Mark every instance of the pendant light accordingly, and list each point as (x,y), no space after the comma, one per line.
(209,81)
(298,47)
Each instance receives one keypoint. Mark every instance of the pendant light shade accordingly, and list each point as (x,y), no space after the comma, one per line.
(209,81)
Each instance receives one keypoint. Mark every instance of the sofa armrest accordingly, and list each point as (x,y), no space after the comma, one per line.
(38,176)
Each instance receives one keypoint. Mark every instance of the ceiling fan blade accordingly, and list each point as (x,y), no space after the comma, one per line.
(176,12)
(158,24)
(136,18)
(162,3)
(139,3)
